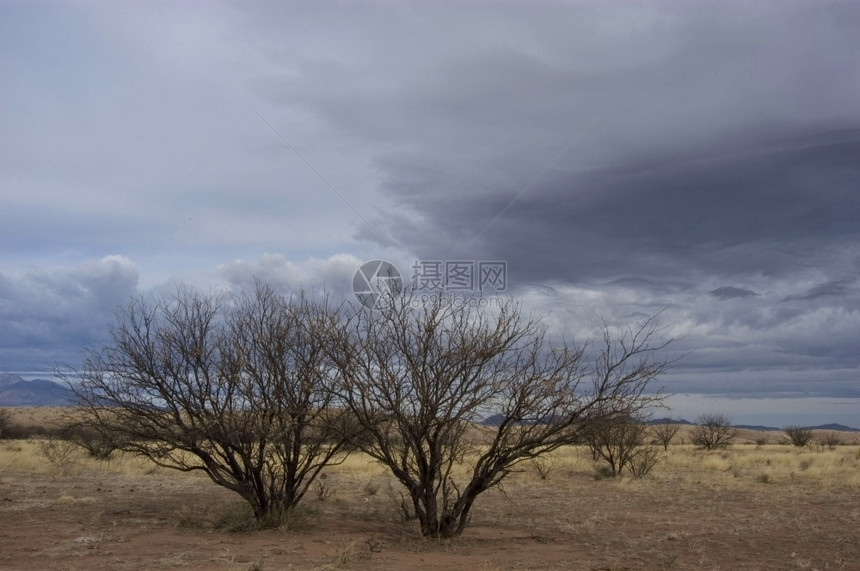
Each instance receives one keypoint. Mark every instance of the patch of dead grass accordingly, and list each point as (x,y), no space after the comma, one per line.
(696,510)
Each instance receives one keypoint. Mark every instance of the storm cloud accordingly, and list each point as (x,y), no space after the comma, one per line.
(698,160)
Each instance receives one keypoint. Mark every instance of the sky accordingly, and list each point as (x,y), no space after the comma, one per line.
(700,160)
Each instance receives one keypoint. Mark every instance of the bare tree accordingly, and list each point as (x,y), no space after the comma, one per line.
(620,442)
(665,432)
(231,387)
(713,431)
(798,435)
(419,376)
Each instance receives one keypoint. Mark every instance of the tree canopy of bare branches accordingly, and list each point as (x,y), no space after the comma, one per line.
(665,432)
(621,443)
(234,387)
(713,431)
(419,376)
(799,435)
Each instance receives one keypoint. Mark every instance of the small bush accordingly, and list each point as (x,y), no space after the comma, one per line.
(665,433)
(799,436)
(4,422)
(544,465)
(344,558)
(831,440)
(324,491)
(619,442)
(298,518)
(603,472)
(371,487)
(98,445)
(642,463)
(236,517)
(713,431)
(58,453)
(763,478)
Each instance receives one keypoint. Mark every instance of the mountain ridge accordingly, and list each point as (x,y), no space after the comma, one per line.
(15,392)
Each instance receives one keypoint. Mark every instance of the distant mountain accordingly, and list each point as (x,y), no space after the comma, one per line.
(833,426)
(668,421)
(15,391)
(8,379)
(496,419)
(757,427)
(493,420)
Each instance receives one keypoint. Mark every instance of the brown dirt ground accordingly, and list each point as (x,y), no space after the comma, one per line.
(99,520)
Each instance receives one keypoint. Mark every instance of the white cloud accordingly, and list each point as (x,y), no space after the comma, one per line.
(333,274)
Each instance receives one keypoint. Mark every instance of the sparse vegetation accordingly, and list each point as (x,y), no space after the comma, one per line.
(713,431)
(544,465)
(371,487)
(665,432)
(692,507)
(57,452)
(621,443)
(4,422)
(418,376)
(831,440)
(798,435)
(325,492)
(235,388)
(644,461)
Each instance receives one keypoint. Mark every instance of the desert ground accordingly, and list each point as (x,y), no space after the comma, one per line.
(759,504)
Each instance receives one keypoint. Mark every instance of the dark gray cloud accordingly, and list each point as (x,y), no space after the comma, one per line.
(728,292)
(623,159)
(49,316)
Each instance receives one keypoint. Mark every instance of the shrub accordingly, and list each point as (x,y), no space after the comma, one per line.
(665,433)
(420,375)
(371,487)
(713,431)
(602,472)
(831,440)
(58,452)
(642,463)
(4,422)
(324,491)
(236,388)
(544,465)
(621,443)
(798,435)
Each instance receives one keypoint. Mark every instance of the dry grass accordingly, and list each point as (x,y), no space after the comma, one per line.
(749,506)
(43,416)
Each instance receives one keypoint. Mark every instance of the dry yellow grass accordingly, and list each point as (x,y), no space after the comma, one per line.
(696,510)
(749,506)
(735,465)
(45,416)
